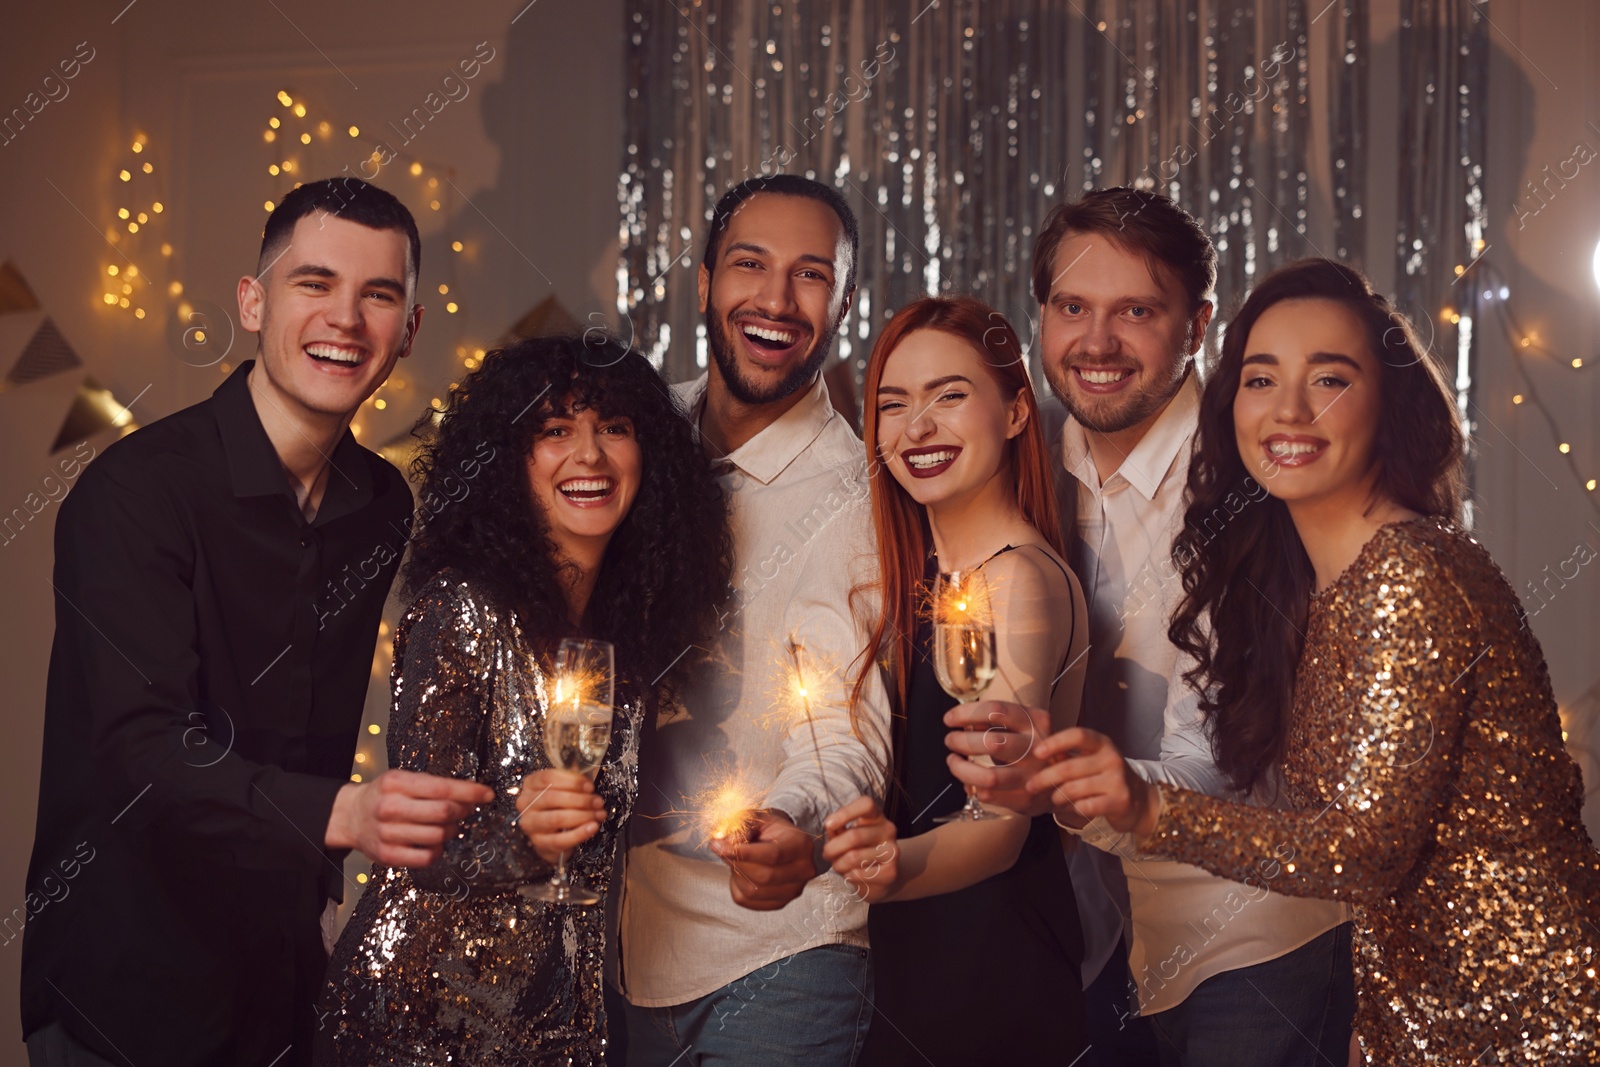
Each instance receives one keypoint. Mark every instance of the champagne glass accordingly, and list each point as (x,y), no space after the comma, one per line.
(964,654)
(577,730)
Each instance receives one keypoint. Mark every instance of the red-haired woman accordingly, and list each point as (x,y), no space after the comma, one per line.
(976,945)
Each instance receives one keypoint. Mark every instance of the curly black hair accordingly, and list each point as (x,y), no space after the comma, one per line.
(669,564)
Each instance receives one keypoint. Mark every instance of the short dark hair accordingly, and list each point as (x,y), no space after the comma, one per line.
(348,198)
(784,185)
(1143,222)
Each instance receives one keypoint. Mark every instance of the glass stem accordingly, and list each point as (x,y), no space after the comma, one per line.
(560,877)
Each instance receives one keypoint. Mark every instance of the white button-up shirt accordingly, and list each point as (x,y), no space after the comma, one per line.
(1187,925)
(802,530)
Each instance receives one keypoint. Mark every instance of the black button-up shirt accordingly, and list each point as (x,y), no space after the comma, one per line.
(211,659)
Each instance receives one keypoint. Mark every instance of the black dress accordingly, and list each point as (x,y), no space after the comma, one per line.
(985,975)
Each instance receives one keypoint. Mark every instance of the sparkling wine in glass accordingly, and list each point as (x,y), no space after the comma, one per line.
(964,654)
(577,731)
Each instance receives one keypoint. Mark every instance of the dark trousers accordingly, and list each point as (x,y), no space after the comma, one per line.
(1118,1036)
(52,1046)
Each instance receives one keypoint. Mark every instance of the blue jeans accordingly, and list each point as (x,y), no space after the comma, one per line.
(809,1010)
(1294,1011)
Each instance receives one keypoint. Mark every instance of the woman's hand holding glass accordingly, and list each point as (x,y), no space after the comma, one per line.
(1086,777)
(863,849)
(559,810)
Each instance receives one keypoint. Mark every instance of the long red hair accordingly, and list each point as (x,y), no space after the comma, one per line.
(900,524)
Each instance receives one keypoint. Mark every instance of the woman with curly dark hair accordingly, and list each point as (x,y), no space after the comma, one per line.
(1350,632)
(564,496)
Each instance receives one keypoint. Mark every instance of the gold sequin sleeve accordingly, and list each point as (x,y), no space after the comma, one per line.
(1429,786)
(1385,772)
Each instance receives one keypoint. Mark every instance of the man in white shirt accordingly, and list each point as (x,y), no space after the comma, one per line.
(731,948)
(1220,972)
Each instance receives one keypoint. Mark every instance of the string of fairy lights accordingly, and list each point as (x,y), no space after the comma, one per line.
(294,135)
(140,210)
(1490,292)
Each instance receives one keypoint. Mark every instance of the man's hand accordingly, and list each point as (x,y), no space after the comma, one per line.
(863,848)
(559,811)
(402,818)
(772,867)
(1086,776)
(1008,734)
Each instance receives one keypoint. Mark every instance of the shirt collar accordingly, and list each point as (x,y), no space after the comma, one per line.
(1151,460)
(253,464)
(769,453)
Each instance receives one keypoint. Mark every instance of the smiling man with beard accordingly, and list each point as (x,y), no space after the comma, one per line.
(1123,279)
(732,948)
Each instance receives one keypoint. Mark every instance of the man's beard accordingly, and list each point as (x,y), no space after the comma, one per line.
(746,392)
(1112,414)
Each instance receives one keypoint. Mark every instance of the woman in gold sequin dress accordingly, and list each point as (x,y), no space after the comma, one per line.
(1421,750)
(564,496)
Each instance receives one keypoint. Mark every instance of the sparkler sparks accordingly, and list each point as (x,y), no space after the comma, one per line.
(963,602)
(727,811)
(800,688)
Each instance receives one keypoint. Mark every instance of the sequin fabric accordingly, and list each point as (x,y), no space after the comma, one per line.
(449,964)
(1430,789)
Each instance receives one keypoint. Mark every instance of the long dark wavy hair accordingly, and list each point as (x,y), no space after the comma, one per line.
(1246,577)
(668,565)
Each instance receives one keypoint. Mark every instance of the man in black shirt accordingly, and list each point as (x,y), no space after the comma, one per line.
(219,578)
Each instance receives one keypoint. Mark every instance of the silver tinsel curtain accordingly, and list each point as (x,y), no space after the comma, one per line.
(953,126)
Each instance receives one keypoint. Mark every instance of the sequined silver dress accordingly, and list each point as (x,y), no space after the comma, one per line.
(1431,790)
(449,964)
